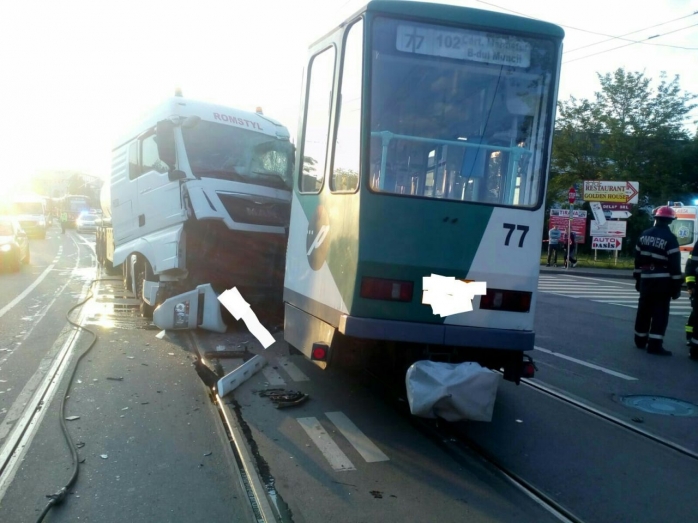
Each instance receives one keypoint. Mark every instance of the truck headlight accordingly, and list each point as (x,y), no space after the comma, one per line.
(6,248)
(42,223)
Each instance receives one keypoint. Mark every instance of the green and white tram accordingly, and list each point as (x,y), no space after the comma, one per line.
(423,148)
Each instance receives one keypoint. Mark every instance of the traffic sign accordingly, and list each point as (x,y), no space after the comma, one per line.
(616,206)
(606,244)
(606,191)
(620,215)
(598,212)
(571,195)
(609,229)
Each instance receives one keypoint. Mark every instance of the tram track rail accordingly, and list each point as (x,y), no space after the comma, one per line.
(585,407)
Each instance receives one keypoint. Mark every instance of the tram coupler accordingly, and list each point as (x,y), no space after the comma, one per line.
(525,369)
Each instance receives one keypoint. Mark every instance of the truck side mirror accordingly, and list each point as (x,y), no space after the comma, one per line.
(164,136)
(176,174)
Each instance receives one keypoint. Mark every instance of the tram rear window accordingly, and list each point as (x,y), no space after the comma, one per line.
(459,114)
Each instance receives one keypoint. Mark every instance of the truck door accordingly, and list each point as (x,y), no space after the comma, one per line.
(124,192)
(159,200)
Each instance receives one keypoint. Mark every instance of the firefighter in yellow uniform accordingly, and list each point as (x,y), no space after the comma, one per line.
(692,325)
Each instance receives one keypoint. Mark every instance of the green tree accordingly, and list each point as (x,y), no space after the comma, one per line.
(630,130)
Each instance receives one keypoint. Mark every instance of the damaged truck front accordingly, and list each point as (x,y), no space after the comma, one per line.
(200,203)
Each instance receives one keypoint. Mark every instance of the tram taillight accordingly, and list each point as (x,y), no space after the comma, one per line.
(502,300)
(381,289)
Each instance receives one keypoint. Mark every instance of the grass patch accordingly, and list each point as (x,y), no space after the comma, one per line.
(602,262)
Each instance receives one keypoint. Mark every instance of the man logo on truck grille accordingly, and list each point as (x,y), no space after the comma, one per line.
(317,242)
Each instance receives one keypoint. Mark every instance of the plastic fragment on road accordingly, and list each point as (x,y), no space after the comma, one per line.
(198,308)
(160,335)
(235,378)
(240,309)
(72,418)
(451,391)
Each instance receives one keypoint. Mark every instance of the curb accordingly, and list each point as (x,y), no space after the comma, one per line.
(594,273)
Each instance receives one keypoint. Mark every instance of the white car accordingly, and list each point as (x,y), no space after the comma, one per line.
(87,222)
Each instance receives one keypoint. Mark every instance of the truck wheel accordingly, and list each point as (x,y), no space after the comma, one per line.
(143,270)
(126,275)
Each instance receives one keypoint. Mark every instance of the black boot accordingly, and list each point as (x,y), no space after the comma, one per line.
(641,342)
(657,349)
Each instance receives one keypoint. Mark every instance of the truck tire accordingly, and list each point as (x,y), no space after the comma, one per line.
(143,271)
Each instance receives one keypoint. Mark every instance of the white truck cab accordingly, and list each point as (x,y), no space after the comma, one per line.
(200,195)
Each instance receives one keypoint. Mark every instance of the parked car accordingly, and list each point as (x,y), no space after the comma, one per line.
(87,222)
(14,244)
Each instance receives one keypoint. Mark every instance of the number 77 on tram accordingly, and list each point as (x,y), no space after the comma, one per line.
(423,148)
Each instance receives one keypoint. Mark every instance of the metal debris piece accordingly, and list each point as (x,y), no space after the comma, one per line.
(208,453)
(103,456)
(79,445)
(131,357)
(145,402)
(72,418)
(282,398)
(79,381)
(376,494)
(638,419)
(144,364)
(171,353)
(120,378)
(125,408)
(82,460)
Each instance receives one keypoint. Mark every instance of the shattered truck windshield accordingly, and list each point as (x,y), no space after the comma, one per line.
(459,114)
(220,151)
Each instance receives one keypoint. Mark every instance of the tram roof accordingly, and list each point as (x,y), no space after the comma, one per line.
(464,15)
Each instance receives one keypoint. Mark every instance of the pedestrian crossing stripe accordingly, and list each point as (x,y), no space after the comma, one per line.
(611,293)
(336,458)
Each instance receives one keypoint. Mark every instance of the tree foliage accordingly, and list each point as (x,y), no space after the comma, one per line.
(630,130)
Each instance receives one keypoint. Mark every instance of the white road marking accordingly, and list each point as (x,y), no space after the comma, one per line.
(333,454)
(363,445)
(294,372)
(26,292)
(587,364)
(19,440)
(611,293)
(273,377)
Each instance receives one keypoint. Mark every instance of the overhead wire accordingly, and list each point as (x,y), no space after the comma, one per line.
(626,45)
(610,37)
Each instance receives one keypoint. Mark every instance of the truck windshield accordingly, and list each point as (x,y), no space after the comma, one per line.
(683,230)
(459,114)
(27,208)
(221,151)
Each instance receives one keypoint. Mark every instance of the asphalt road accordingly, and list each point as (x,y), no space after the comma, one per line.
(150,442)
(154,448)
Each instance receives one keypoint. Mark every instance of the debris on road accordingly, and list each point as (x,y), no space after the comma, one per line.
(208,453)
(160,335)
(79,445)
(103,456)
(72,418)
(120,378)
(281,398)
(376,494)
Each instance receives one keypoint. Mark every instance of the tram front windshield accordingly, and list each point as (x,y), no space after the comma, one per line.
(459,114)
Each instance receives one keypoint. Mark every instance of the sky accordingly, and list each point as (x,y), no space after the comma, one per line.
(75,73)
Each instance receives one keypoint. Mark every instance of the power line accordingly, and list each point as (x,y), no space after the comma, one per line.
(638,31)
(626,45)
(610,37)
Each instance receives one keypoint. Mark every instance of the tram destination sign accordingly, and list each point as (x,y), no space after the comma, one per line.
(461,44)
(616,192)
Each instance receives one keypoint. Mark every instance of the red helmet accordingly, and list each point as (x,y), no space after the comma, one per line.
(664,212)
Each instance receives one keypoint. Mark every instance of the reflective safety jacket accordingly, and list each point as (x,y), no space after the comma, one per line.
(658,261)
(692,268)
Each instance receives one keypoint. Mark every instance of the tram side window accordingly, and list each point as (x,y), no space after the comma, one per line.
(150,160)
(134,170)
(317,121)
(347,153)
